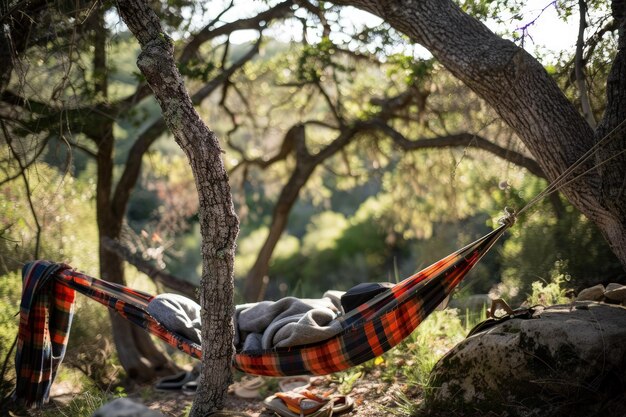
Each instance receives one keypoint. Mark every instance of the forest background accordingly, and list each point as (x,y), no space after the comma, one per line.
(353,156)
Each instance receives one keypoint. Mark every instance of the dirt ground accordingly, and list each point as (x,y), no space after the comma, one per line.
(372,397)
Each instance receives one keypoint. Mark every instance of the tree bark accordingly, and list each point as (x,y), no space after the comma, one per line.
(612,175)
(522,93)
(218,223)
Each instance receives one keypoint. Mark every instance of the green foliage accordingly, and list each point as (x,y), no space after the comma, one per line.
(546,245)
(553,291)
(414,71)
(347,379)
(336,254)
(85,403)
(492,9)
(65,212)
(10,294)
(315,60)
(198,70)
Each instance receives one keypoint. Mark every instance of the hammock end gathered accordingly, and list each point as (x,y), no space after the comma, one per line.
(509,217)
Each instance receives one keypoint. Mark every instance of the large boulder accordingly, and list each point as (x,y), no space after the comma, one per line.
(565,360)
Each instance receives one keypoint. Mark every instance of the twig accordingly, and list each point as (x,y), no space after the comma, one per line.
(579,66)
(27,186)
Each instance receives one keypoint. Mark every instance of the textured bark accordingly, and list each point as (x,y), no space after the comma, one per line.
(612,175)
(519,89)
(218,222)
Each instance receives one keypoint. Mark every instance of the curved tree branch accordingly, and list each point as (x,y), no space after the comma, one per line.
(456,140)
(579,66)
(156,274)
(260,20)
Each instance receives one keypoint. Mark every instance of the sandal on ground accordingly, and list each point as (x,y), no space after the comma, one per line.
(247,388)
(342,404)
(303,402)
(174,382)
(190,387)
(294,383)
(280,407)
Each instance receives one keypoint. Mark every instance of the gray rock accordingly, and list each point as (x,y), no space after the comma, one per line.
(613,285)
(125,407)
(616,293)
(567,359)
(595,293)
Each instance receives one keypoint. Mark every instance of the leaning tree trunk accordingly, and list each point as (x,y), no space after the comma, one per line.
(613,176)
(138,354)
(516,85)
(305,165)
(218,222)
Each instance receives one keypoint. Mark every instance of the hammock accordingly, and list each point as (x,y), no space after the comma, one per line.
(368,331)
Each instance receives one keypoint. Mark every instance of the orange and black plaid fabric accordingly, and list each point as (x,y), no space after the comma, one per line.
(369,331)
(376,326)
(46,313)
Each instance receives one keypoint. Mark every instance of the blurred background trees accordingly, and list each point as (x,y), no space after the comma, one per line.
(353,154)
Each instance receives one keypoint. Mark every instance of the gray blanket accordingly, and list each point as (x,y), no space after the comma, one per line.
(287,322)
(177,313)
(284,323)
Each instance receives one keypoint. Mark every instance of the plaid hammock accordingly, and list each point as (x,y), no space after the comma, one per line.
(368,331)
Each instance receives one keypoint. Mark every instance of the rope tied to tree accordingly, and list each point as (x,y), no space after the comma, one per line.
(562,180)
(509,218)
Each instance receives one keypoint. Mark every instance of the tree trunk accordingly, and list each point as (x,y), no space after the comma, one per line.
(218,223)
(254,288)
(613,177)
(522,93)
(305,165)
(138,354)
(254,280)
